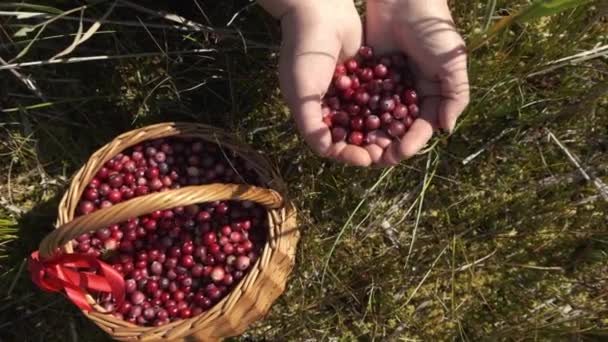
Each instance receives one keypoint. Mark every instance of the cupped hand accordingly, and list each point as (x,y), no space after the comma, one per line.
(425,32)
(317,34)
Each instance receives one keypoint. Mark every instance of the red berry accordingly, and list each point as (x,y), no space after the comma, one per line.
(137,297)
(114,196)
(341,119)
(380,71)
(396,129)
(340,69)
(366,74)
(386,118)
(413,110)
(366,52)
(355,138)
(387,104)
(351,65)
(86,207)
(400,112)
(91,194)
(338,134)
(343,82)
(408,121)
(372,122)
(362,97)
(187,261)
(357,123)
(116,180)
(217,274)
(242,262)
(410,97)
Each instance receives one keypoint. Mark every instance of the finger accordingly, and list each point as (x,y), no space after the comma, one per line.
(455,92)
(350,154)
(351,36)
(375,153)
(418,134)
(379,137)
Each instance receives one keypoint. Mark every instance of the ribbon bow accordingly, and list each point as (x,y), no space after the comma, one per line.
(62,273)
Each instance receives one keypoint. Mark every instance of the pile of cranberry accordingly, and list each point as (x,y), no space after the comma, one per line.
(369,93)
(176,263)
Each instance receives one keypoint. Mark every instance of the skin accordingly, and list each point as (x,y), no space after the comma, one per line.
(319,33)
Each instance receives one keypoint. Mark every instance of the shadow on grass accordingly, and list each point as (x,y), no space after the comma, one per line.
(28,313)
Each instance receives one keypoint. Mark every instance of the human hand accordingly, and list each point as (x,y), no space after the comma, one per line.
(317,34)
(425,32)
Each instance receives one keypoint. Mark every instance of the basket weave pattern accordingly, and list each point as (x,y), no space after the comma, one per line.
(252,297)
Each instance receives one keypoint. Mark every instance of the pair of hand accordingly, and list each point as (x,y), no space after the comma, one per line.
(319,33)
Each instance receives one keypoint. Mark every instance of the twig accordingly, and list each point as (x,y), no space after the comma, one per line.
(598,183)
(169,16)
(470,158)
(572,60)
(476,262)
(534,267)
(28,81)
(101,57)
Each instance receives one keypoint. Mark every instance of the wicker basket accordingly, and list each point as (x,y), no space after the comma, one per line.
(251,298)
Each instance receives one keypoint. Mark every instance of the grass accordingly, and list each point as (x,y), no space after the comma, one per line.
(493,234)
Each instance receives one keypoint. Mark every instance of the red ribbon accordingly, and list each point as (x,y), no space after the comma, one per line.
(61,273)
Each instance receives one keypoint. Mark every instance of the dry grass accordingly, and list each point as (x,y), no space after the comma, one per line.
(491,235)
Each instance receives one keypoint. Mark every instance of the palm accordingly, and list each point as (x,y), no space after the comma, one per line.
(424,31)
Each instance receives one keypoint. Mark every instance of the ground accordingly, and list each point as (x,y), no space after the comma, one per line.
(493,233)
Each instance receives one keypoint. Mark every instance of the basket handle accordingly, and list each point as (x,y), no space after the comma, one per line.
(156,201)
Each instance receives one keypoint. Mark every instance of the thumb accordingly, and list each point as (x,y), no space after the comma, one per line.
(307,63)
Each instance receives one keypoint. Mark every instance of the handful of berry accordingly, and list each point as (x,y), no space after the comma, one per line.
(370,93)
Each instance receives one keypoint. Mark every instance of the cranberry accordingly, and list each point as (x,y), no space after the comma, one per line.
(116,181)
(366,74)
(242,262)
(217,274)
(343,82)
(86,207)
(114,196)
(362,97)
(380,70)
(413,110)
(197,270)
(187,261)
(341,119)
(151,286)
(410,97)
(396,129)
(137,297)
(103,173)
(366,52)
(355,138)
(386,118)
(340,69)
(338,134)
(387,104)
(372,122)
(400,112)
(357,123)
(91,194)
(156,268)
(209,238)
